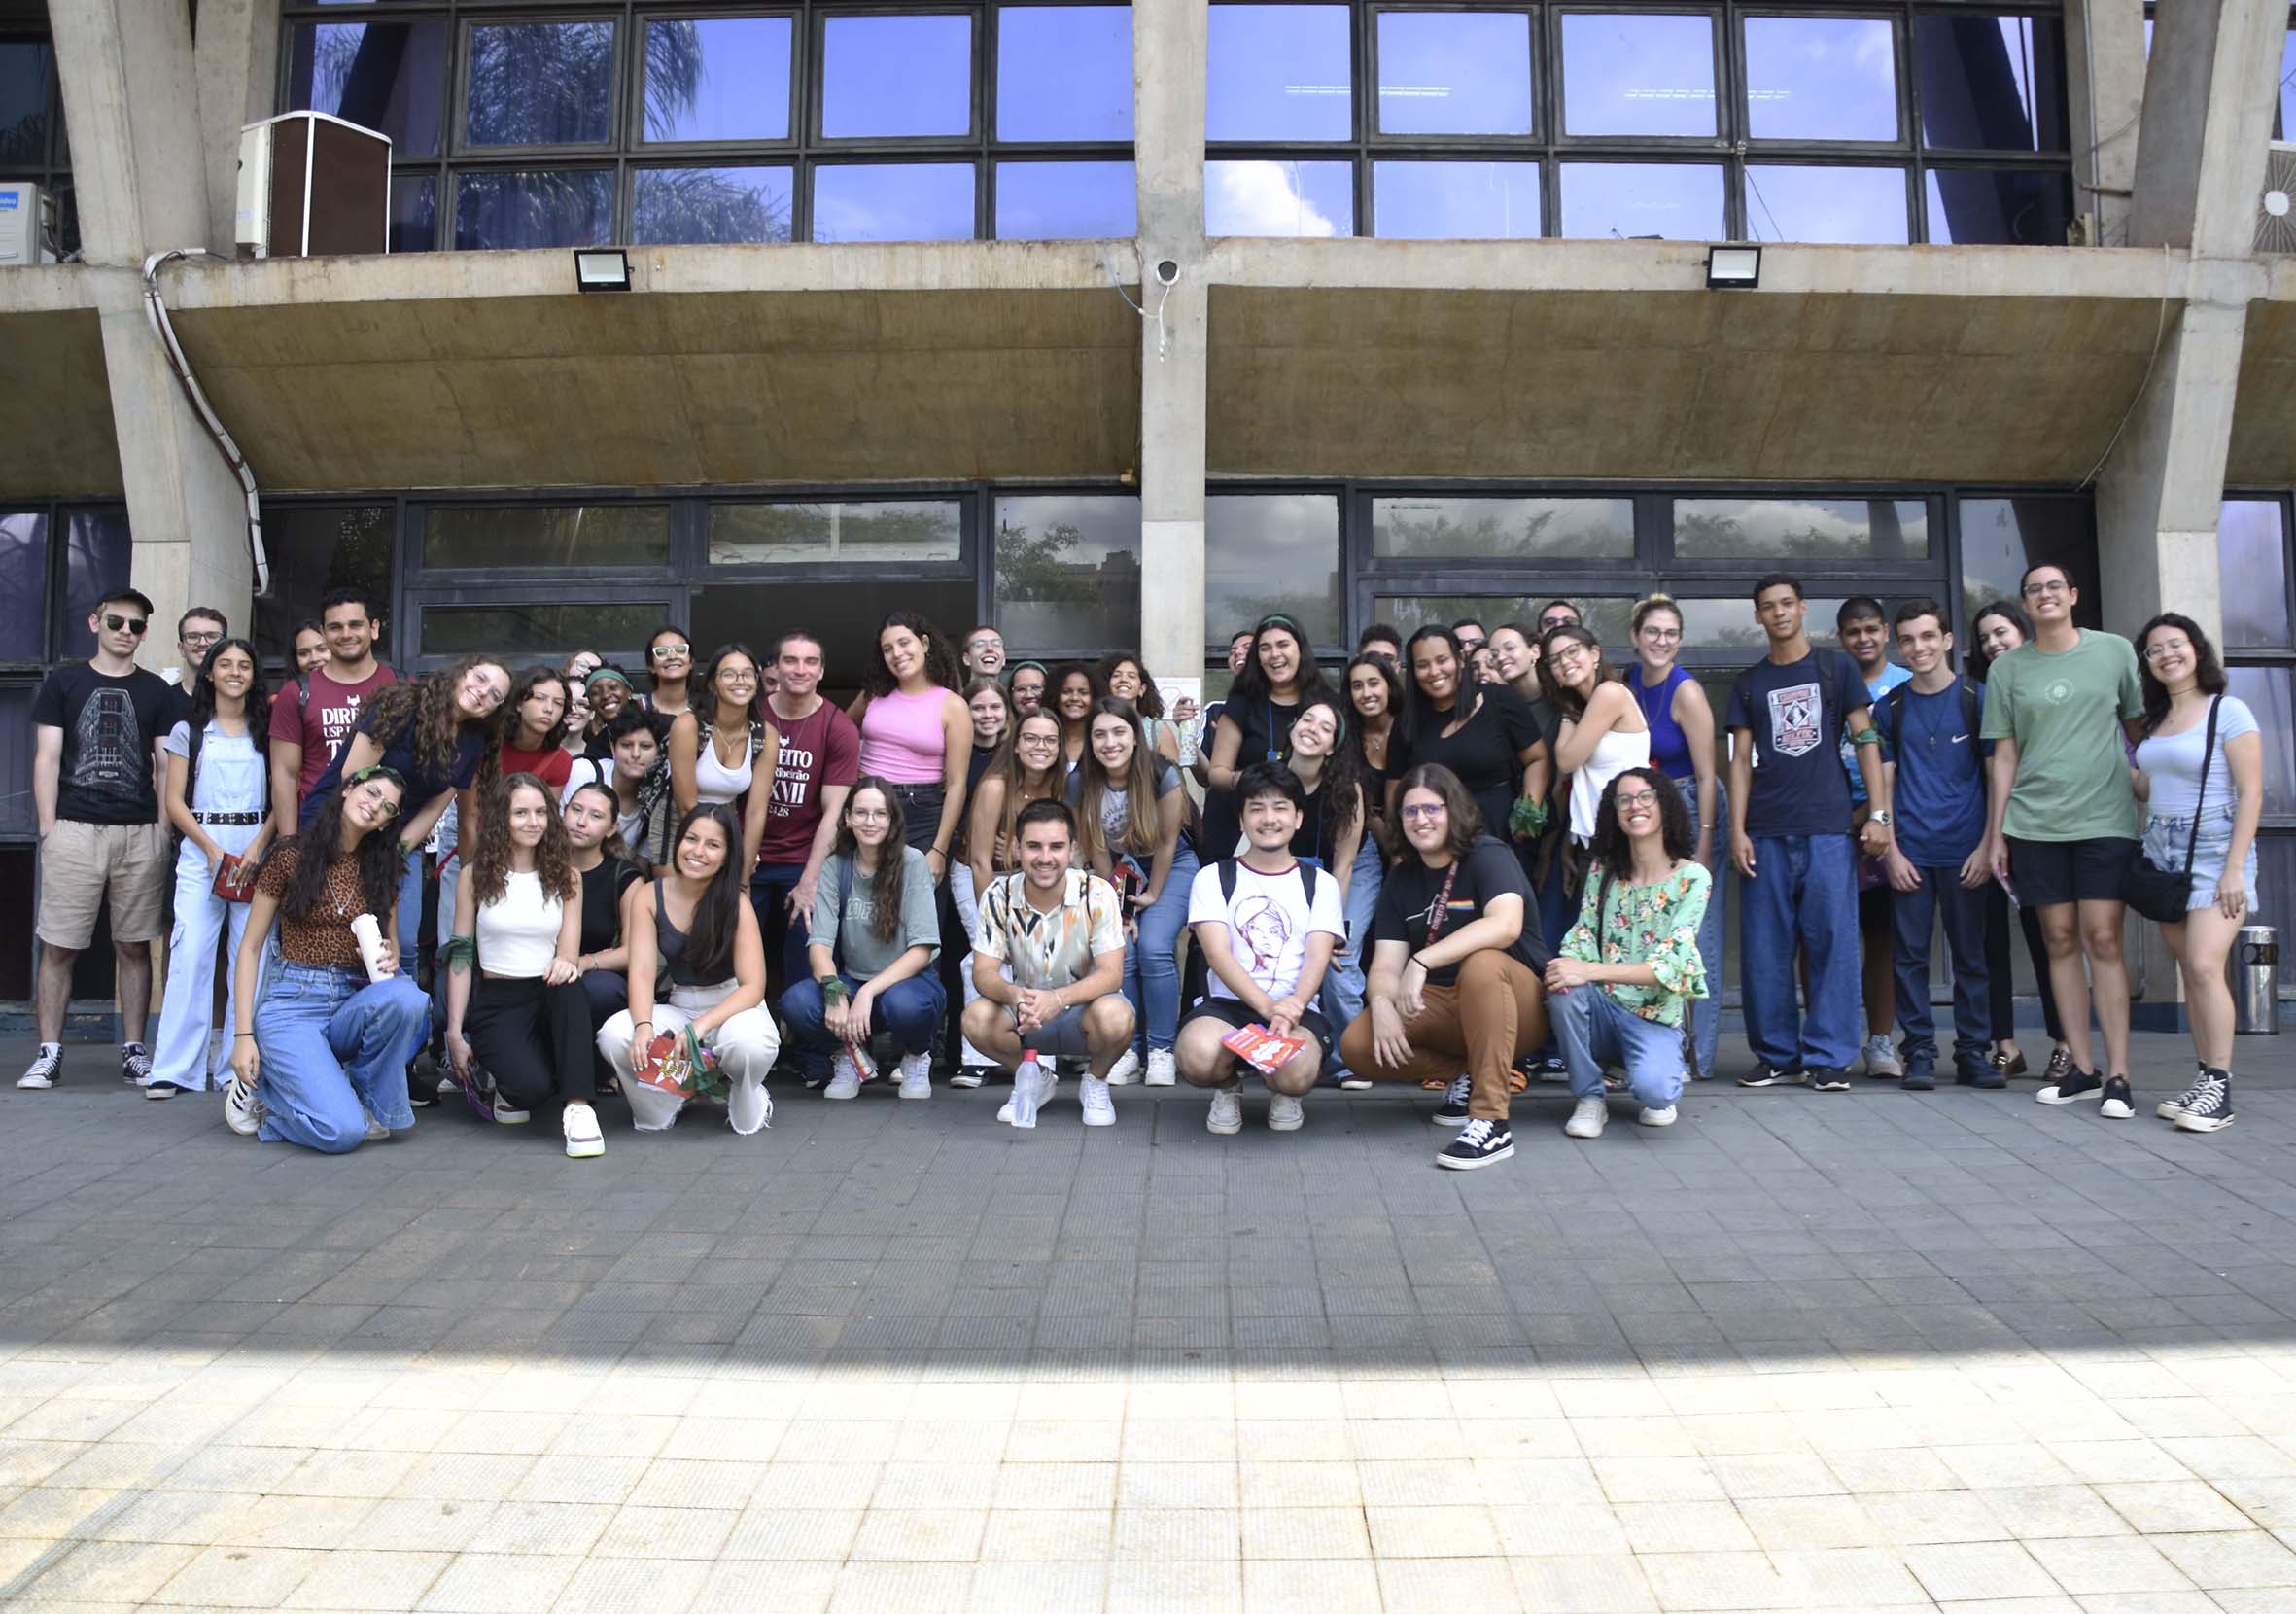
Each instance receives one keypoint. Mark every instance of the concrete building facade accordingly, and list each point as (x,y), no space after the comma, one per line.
(1039,430)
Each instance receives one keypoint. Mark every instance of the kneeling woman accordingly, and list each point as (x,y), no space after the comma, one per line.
(876,934)
(604,862)
(691,929)
(321,1058)
(1455,962)
(1630,968)
(513,1004)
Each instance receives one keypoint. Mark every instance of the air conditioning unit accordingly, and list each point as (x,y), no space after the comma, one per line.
(27,224)
(310,184)
(2275,209)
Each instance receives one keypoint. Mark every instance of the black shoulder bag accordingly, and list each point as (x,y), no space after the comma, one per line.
(2162,895)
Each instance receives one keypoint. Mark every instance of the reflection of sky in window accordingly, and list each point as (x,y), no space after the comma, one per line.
(715,206)
(1279,73)
(1455,201)
(1884,529)
(1636,74)
(1812,78)
(1455,73)
(740,90)
(1681,201)
(2002,207)
(2288,85)
(1278,199)
(893,202)
(1787,202)
(389,77)
(540,84)
(1051,201)
(1266,553)
(1068,572)
(896,76)
(1988,82)
(1064,73)
(2252,565)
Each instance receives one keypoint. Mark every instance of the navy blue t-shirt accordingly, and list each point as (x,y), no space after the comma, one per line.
(398,755)
(1797,712)
(1940,797)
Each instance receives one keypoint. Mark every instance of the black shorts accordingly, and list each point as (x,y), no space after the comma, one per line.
(1873,910)
(2047,873)
(1233,1012)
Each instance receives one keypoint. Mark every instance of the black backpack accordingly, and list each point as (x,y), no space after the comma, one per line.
(1893,708)
(1228,866)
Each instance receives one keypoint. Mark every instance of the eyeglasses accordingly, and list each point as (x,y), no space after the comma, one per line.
(671,653)
(1638,798)
(867,815)
(2160,649)
(202,638)
(1662,636)
(983,643)
(2048,585)
(1423,809)
(137,625)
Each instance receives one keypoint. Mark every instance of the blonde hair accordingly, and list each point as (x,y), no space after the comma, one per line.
(1659,601)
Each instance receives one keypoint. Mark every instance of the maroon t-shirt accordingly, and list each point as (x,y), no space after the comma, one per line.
(823,749)
(323,726)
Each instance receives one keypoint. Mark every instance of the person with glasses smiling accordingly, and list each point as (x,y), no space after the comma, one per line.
(197,631)
(2061,825)
(97,727)
(1682,747)
(669,664)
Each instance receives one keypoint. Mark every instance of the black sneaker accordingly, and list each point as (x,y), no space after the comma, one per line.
(970,1075)
(1767,1074)
(2120,1104)
(1977,1070)
(1479,1143)
(135,1064)
(46,1069)
(2072,1087)
(1921,1075)
(1833,1081)
(1453,1111)
(2167,1110)
(2208,1107)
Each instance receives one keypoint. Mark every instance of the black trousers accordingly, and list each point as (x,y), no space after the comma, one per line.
(534,1039)
(2001,987)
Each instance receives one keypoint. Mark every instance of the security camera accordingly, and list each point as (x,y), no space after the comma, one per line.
(1166,273)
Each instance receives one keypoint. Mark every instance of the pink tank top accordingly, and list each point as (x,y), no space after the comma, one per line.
(902,739)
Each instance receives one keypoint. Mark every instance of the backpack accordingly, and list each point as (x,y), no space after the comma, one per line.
(1228,866)
(1893,708)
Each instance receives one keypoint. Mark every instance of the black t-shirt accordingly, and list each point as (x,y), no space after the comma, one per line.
(1318,834)
(111,726)
(1488,870)
(1796,713)
(1485,753)
(1266,726)
(602,904)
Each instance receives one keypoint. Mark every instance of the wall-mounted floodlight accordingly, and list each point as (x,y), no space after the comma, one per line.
(602,269)
(1733,267)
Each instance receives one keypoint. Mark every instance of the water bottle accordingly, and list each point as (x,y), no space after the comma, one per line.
(862,1060)
(1026,1081)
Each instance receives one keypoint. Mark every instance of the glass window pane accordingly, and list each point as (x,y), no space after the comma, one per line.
(1821,78)
(538,631)
(874,532)
(1991,84)
(2287,126)
(23,102)
(546,534)
(414,212)
(2252,572)
(1064,73)
(1630,74)
(24,587)
(1267,553)
(1455,73)
(1279,73)
(17,815)
(711,204)
(2001,536)
(1977,207)
(893,202)
(1278,199)
(98,552)
(2267,691)
(718,79)
(896,76)
(540,84)
(1728,625)
(1607,618)
(1055,201)
(2276,873)
(1816,202)
(1455,201)
(389,77)
(559,207)
(314,552)
(845,618)
(1675,201)
(1068,573)
(1491,529)
(1879,530)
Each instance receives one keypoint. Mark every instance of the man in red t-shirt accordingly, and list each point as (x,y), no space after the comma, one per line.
(312,719)
(821,758)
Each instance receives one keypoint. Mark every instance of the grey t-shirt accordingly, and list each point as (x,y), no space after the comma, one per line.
(2172,763)
(843,917)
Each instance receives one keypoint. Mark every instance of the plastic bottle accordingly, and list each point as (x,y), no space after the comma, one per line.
(862,1061)
(1028,1077)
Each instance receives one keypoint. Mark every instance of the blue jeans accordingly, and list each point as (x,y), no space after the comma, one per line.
(1963,912)
(178,1054)
(769,893)
(1594,1030)
(410,911)
(334,1046)
(1706,1013)
(1342,983)
(1151,972)
(910,1009)
(1803,896)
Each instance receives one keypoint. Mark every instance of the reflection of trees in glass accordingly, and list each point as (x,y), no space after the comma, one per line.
(313,552)
(1440,535)
(1875,529)
(1587,527)
(542,84)
(707,206)
(547,535)
(1057,602)
(893,530)
(23,87)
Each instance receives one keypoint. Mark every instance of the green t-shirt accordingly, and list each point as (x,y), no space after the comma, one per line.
(2065,712)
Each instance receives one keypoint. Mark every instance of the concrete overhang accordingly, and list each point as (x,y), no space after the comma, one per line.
(56,404)
(1612,359)
(939,360)
(2264,409)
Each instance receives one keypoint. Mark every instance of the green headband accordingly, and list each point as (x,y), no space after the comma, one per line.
(378,771)
(613,672)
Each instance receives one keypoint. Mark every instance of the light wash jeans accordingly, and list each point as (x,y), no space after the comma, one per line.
(178,1057)
(1344,983)
(1594,1030)
(334,1050)
(1706,1014)
(1151,966)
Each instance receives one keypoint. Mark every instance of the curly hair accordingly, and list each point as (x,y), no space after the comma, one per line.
(1613,849)
(2208,670)
(490,861)
(1346,778)
(380,862)
(1150,698)
(1251,685)
(939,656)
(422,713)
(888,884)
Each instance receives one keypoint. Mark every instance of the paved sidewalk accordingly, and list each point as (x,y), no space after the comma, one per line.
(1869,1350)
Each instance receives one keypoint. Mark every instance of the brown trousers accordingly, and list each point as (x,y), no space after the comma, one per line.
(1494,1016)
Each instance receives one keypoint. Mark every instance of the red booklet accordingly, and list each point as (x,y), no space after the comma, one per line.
(234,878)
(1260,1048)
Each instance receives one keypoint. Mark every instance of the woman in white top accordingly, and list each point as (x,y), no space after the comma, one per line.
(517,1021)
(2207,799)
(714,748)
(1602,732)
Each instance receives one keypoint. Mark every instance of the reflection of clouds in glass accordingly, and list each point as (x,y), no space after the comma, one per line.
(1680,201)
(1788,203)
(1268,198)
(893,202)
(1105,524)
(1821,78)
(1455,201)
(1645,74)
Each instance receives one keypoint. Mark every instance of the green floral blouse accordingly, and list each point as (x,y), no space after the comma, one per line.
(1656,925)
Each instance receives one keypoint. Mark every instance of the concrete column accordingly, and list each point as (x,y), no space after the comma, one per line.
(130,92)
(236,59)
(1169,101)
(2105,58)
(2209,100)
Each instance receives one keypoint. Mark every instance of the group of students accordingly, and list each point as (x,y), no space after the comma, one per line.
(649,891)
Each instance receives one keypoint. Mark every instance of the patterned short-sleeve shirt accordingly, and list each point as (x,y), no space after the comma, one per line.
(1049,949)
(1656,925)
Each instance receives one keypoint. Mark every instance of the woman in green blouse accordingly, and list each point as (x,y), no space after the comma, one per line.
(1619,990)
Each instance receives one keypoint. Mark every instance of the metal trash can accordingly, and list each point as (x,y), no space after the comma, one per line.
(2256,981)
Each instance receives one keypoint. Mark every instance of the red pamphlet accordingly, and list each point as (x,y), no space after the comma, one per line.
(1260,1048)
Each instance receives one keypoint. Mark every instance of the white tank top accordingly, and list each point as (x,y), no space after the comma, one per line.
(518,935)
(1614,753)
(714,781)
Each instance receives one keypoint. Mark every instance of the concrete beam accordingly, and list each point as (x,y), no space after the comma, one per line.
(2209,100)
(2104,57)
(235,59)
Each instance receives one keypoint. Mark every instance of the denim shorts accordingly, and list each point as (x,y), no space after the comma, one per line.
(2164,844)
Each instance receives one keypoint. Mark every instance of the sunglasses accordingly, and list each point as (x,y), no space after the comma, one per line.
(114,622)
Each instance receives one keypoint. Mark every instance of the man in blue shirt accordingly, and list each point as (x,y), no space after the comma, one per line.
(1937,774)
(1862,629)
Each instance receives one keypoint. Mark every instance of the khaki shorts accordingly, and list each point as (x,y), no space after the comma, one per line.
(84,865)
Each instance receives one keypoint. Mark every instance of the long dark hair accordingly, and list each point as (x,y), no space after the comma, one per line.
(1418,714)
(1251,685)
(506,724)
(2208,670)
(1463,820)
(1151,701)
(258,710)
(1388,675)
(1143,825)
(422,711)
(718,913)
(886,885)
(1009,769)
(940,658)
(2008,611)
(701,690)
(1613,849)
(380,866)
(490,858)
(1345,787)
(1569,702)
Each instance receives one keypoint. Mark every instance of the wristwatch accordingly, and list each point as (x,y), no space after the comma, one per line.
(1880,817)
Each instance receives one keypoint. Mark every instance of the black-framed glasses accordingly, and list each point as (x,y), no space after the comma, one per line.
(114,622)
(1638,798)
(202,638)
(2047,585)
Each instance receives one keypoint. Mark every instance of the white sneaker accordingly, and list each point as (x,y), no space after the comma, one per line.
(1588,1119)
(1657,1118)
(376,1131)
(1099,1109)
(1163,1071)
(1882,1063)
(584,1139)
(1285,1114)
(243,1111)
(1225,1119)
(1125,1068)
(1350,1082)
(845,1077)
(161,1090)
(916,1075)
